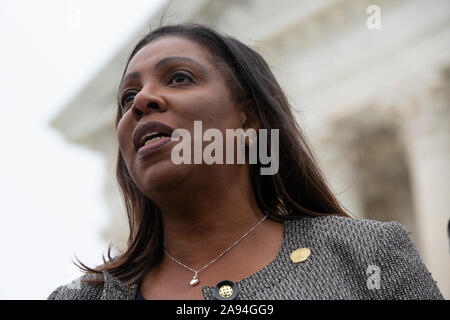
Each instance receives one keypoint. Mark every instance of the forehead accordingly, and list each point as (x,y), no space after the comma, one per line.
(168,46)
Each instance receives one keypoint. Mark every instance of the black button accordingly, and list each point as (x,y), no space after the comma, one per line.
(226,290)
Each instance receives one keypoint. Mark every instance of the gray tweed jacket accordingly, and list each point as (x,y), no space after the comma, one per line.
(350,259)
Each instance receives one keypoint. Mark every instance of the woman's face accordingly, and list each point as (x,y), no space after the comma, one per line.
(173,81)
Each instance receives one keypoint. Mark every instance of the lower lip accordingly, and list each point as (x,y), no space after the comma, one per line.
(152,147)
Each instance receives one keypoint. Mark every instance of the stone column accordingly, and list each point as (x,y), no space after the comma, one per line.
(116,229)
(338,163)
(425,131)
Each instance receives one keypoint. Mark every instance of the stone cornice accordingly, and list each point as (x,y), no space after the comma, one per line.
(92,110)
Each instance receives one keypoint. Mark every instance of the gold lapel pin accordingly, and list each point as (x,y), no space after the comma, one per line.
(300,255)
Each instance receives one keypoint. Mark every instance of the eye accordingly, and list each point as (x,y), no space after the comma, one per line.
(128,98)
(180,77)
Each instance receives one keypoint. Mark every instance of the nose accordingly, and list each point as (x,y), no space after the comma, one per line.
(146,102)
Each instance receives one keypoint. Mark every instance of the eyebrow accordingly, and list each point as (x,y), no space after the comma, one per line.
(160,64)
(131,75)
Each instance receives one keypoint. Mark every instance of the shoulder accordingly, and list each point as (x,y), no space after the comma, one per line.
(335,224)
(366,248)
(78,289)
(365,234)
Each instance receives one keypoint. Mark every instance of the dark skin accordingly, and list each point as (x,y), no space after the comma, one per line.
(205,208)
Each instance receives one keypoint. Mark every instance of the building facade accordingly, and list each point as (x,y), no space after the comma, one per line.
(370,82)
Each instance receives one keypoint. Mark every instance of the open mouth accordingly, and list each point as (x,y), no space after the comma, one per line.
(151,133)
(151,137)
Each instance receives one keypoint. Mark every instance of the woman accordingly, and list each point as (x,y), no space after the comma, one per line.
(226,231)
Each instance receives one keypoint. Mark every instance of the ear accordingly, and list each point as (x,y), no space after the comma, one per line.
(249,120)
(249,117)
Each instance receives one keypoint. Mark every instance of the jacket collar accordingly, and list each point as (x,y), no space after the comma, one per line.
(114,289)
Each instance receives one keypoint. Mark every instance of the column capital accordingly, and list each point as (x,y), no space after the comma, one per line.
(429,94)
(423,107)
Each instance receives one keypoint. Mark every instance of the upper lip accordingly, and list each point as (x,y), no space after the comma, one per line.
(149,127)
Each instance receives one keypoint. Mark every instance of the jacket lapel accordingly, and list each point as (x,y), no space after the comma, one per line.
(114,289)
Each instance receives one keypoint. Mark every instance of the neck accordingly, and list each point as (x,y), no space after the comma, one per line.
(200,223)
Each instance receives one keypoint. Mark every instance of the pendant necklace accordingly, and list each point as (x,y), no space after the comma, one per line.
(195,280)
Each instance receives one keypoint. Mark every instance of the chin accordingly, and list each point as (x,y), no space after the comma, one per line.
(162,177)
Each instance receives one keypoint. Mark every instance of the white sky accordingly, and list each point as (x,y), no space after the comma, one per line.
(51,191)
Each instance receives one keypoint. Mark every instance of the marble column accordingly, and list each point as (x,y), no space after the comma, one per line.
(424,123)
(337,162)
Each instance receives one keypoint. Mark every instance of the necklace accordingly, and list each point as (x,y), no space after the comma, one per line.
(195,280)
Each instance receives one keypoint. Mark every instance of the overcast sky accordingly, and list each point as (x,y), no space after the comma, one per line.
(50,191)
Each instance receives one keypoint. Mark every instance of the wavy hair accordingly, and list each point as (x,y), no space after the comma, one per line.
(299,188)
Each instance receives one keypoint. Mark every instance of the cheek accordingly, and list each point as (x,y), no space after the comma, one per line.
(222,118)
(215,111)
(125,136)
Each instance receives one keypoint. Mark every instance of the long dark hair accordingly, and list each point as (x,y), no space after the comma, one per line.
(298,189)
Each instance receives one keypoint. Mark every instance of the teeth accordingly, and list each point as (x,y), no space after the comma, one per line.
(149,135)
(152,139)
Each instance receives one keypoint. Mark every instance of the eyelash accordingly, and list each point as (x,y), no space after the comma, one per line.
(177,74)
(174,76)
